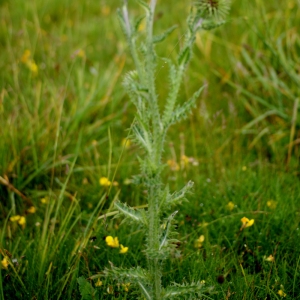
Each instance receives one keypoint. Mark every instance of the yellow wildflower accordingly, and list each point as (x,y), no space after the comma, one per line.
(244,168)
(45,200)
(173,165)
(104,181)
(281,293)
(112,242)
(199,241)
(230,206)
(126,286)
(80,53)
(105,10)
(4,262)
(15,218)
(123,249)
(32,66)
(271,204)
(185,160)
(202,281)
(246,222)
(22,221)
(250,223)
(99,282)
(31,210)
(25,57)
(270,258)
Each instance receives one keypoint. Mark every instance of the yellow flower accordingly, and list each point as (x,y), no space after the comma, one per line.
(104,181)
(31,210)
(80,53)
(15,218)
(123,249)
(281,293)
(244,168)
(199,241)
(25,57)
(22,221)
(230,206)
(99,282)
(45,200)
(185,159)
(4,262)
(246,222)
(32,66)
(173,165)
(112,242)
(270,258)
(126,286)
(272,204)
(250,223)
(105,10)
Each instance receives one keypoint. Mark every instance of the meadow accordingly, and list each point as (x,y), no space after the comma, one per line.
(65,156)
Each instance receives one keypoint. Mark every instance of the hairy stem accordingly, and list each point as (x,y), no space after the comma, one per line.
(153,239)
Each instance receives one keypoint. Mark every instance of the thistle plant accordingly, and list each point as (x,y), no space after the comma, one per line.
(149,131)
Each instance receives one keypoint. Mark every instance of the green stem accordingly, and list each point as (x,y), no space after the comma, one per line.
(153,238)
(150,75)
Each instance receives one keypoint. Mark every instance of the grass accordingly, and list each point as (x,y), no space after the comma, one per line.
(62,129)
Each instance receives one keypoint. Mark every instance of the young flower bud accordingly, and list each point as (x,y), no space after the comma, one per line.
(213,8)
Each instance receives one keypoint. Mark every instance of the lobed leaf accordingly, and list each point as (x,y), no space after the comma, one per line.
(161,37)
(166,232)
(135,215)
(179,196)
(181,111)
(177,291)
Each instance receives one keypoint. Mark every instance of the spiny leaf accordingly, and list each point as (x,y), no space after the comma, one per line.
(181,111)
(159,38)
(137,274)
(177,291)
(145,290)
(123,24)
(135,215)
(165,235)
(142,136)
(180,195)
(175,79)
(184,56)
